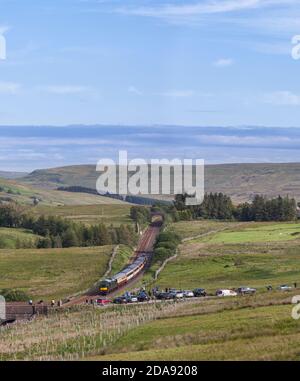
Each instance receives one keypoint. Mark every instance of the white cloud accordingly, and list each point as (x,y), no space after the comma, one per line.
(64,90)
(192,9)
(270,16)
(9,87)
(202,8)
(134,90)
(254,141)
(284,98)
(223,62)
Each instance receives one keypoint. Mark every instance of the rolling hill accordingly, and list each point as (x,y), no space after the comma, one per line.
(240,181)
(26,193)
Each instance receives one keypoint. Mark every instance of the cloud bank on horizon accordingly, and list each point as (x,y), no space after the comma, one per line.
(29,148)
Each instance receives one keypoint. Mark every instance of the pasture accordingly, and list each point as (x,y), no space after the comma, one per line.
(189,229)
(257,232)
(115,214)
(17,238)
(243,329)
(249,254)
(53,273)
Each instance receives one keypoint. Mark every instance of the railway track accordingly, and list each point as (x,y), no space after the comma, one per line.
(145,245)
(23,311)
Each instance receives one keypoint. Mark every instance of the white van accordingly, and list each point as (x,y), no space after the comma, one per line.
(226,293)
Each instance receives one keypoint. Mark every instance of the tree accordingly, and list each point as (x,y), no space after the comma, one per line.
(57,242)
(69,238)
(44,243)
(11,215)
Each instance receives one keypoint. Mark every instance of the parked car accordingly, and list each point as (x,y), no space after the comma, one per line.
(246,290)
(199,292)
(131,298)
(284,287)
(120,300)
(164,296)
(176,294)
(188,294)
(102,302)
(143,297)
(226,293)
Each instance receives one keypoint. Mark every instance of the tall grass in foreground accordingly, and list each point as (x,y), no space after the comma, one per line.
(75,334)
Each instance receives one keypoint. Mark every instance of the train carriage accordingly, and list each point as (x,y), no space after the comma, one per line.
(129,272)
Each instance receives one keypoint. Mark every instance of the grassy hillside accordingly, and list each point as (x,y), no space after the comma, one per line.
(115,214)
(249,329)
(53,273)
(241,181)
(255,328)
(81,175)
(16,238)
(258,232)
(195,228)
(255,254)
(25,193)
(122,259)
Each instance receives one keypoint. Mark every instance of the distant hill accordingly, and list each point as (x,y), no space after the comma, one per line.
(77,175)
(243,181)
(26,193)
(12,175)
(240,181)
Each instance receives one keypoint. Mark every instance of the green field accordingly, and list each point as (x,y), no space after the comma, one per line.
(122,259)
(257,232)
(254,254)
(233,332)
(253,328)
(17,238)
(254,265)
(187,229)
(53,273)
(115,214)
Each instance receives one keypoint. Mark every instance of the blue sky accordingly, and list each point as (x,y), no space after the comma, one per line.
(148,62)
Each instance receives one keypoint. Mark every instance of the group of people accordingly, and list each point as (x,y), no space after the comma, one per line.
(53,303)
(89,301)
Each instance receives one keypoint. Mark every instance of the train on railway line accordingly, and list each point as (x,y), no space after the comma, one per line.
(129,272)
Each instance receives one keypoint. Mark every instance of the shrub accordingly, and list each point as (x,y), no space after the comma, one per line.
(14,295)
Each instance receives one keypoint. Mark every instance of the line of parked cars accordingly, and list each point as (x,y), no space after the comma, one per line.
(128,297)
(249,290)
(174,294)
(179,294)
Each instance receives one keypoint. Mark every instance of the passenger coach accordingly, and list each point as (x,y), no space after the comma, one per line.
(129,272)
